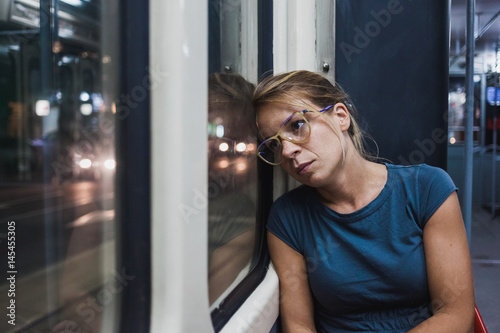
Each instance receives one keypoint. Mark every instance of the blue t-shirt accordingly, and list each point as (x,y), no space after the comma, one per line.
(366,269)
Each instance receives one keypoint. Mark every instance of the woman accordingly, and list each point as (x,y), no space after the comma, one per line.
(361,246)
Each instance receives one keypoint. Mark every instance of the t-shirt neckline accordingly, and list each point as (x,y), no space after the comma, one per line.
(361,213)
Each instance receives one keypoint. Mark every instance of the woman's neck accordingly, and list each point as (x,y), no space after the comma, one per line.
(355,184)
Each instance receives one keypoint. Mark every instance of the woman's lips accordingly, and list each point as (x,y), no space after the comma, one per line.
(302,169)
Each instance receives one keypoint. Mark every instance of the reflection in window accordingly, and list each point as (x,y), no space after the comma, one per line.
(232,183)
(57,171)
(232,169)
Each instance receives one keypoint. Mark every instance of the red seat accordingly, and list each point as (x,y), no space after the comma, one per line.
(479,326)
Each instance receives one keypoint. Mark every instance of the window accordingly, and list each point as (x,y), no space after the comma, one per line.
(232,169)
(57,167)
(457,106)
(232,182)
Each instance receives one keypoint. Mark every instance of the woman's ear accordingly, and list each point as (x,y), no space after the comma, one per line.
(343,116)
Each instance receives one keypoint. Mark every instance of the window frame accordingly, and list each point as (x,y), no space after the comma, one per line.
(133,154)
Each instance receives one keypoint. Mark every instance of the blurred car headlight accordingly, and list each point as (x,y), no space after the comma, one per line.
(110,164)
(241,147)
(85,163)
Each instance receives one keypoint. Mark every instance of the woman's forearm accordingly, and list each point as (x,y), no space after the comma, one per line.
(443,322)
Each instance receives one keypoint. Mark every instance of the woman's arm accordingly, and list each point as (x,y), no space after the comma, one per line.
(296,304)
(449,271)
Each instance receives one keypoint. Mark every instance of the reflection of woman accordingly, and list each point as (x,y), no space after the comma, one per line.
(361,246)
(231,207)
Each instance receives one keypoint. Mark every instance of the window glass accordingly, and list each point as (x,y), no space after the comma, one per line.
(232,168)
(457,106)
(57,167)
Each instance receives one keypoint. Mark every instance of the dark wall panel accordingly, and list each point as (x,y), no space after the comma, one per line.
(392,58)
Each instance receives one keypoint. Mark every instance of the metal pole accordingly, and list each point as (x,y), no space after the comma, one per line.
(482,142)
(469,119)
(494,165)
(55,23)
(483,110)
(45,48)
(482,128)
(49,216)
(494,153)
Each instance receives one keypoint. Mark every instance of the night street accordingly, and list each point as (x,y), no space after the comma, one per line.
(60,230)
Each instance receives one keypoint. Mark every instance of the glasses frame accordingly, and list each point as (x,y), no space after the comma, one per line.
(280,138)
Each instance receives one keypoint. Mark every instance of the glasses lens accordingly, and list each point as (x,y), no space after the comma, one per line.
(270,151)
(296,129)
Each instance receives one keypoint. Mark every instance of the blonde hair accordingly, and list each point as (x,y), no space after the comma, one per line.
(300,88)
(229,88)
(230,96)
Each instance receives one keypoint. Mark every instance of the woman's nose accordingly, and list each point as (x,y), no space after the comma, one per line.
(290,149)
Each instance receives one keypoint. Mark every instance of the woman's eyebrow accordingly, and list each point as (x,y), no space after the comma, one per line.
(287,119)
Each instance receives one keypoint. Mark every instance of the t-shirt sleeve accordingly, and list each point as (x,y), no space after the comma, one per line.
(434,187)
(282,223)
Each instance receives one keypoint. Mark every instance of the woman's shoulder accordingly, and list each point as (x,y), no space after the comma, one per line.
(422,177)
(416,170)
(294,201)
(425,188)
(296,195)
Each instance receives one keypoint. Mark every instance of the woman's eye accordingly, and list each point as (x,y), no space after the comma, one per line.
(297,125)
(273,145)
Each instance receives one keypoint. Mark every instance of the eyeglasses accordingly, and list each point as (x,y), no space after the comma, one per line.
(295,129)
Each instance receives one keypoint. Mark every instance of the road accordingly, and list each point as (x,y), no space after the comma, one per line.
(47,217)
(57,226)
